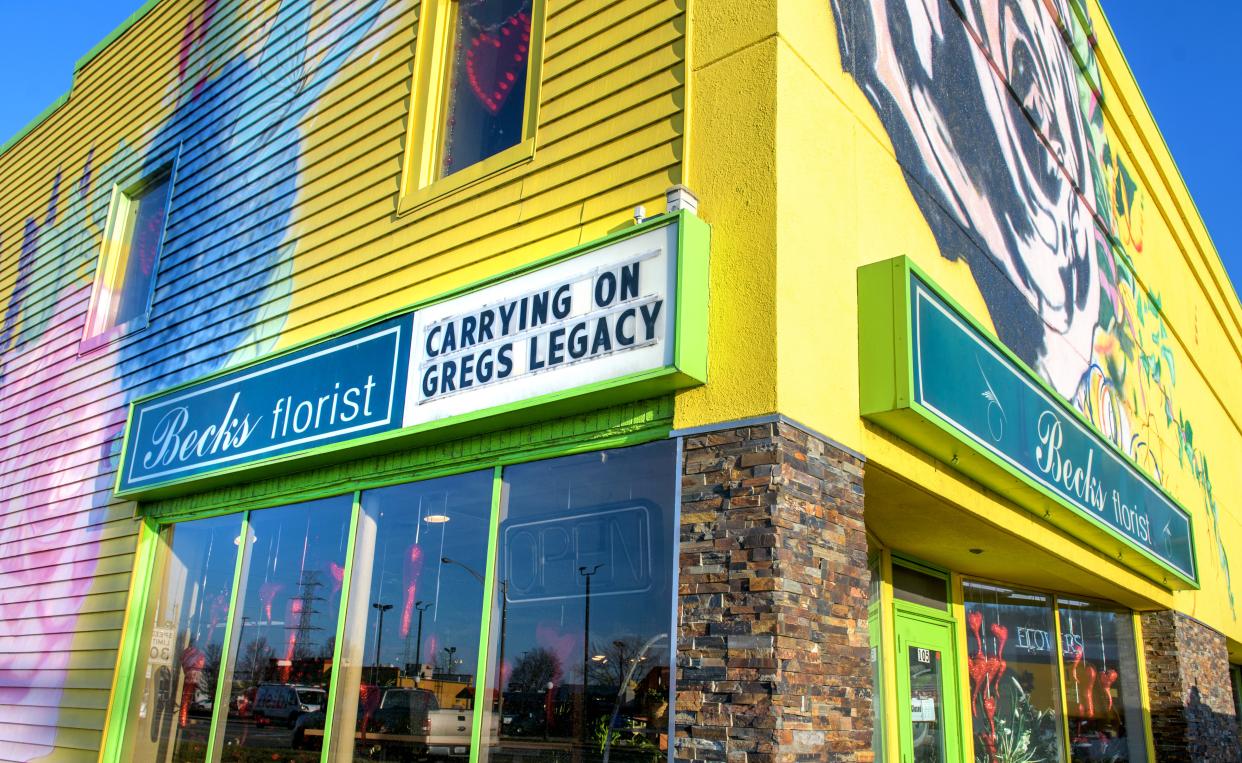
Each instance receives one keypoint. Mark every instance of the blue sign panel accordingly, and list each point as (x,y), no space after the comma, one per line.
(344,388)
(963,379)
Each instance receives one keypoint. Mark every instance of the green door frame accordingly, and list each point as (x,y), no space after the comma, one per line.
(921,627)
(654,423)
(935,628)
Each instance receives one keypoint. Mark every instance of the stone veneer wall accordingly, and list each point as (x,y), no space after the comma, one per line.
(1193,714)
(773,662)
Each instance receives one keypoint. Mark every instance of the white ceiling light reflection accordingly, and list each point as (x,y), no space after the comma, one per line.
(436,519)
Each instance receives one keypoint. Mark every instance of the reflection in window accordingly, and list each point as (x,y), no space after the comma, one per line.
(1105,710)
(284,630)
(179,661)
(486,98)
(918,587)
(926,705)
(1014,686)
(581,622)
(411,640)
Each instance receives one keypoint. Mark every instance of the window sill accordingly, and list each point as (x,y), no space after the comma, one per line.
(90,344)
(413,200)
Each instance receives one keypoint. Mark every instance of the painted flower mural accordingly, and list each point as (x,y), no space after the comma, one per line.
(238,95)
(994,113)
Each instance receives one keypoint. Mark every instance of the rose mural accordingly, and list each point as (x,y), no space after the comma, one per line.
(239,94)
(994,113)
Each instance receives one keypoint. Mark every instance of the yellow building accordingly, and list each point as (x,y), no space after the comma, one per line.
(691,380)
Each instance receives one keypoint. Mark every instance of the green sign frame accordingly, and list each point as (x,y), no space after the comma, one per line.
(688,368)
(1059,468)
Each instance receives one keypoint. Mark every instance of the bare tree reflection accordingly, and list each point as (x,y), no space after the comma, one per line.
(535,670)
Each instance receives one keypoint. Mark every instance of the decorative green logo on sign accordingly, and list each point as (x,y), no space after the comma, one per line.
(923,362)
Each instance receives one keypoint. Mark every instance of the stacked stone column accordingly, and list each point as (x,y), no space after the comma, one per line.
(1192,707)
(773,662)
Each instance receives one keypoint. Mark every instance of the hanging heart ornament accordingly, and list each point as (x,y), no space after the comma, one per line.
(495,61)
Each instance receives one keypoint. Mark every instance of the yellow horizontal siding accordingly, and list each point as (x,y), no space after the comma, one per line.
(608,138)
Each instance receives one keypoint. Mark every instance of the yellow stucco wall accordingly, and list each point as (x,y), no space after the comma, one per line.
(845,198)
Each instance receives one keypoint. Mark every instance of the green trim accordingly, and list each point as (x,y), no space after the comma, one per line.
(915,629)
(113,740)
(690,347)
(125,441)
(124,26)
(884,369)
(82,62)
(220,711)
(885,390)
(615,426)
(482,698)
(693,275)
(330,701)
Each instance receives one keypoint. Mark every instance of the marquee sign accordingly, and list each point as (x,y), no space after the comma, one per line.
(615,320)
(923,362)
(605,314)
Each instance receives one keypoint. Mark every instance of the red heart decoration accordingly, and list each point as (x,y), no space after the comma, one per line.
(494,61)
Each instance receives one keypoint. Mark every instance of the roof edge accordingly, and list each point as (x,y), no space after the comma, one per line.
(81,63)
(121,29)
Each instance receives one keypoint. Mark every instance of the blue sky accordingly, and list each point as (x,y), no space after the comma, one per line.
(1184,57)
(1184,62)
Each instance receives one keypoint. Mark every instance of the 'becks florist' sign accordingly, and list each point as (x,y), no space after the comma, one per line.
(340,389)
(612,321)
(947,385)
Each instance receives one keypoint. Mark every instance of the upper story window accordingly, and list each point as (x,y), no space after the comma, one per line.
(128,257)
(475,95)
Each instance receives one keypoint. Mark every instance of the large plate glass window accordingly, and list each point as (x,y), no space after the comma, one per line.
(1051,677)
(1015,690)
(1104,708)
(580,628)
(183,640)
(284,629)
(545,589)
(410,649)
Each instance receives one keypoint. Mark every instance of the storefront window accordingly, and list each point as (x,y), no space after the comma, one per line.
(284,629)
(1014,686)
(179,660)
(485,102)
(580,629)
(918,587)
(579,565)
(1101,683)
(411,639)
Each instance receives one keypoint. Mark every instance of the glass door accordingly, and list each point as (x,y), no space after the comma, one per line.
(927,695)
